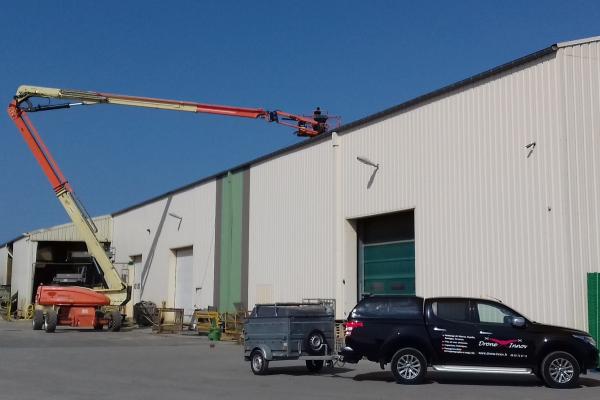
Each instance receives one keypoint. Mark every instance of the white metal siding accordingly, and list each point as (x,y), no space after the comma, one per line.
(136,230)
(490,221)
(291,246)
(3,265)
(24,253)
(580,66)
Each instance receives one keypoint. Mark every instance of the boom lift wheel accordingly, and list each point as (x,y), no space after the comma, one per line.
(50,321)
(115,321)
(38,320)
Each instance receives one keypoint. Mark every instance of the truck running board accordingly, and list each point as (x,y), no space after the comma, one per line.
(482,370)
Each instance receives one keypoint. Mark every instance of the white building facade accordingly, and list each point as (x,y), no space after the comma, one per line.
(489,187)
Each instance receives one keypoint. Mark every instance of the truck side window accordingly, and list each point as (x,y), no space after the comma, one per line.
(452,310)
(493,314)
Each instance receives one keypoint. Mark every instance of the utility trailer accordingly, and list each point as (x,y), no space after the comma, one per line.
(290,331)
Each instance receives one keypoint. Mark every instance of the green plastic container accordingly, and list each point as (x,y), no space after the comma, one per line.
(214,333)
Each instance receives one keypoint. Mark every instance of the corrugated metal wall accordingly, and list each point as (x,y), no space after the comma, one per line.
(580,70)
(3,265)
(154,232)
(291,227)
(24,253)
(492,217)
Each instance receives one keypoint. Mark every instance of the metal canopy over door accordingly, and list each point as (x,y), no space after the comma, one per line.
(387,254)
(184,280)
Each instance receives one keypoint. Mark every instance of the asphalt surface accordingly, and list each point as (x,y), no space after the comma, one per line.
(137,364)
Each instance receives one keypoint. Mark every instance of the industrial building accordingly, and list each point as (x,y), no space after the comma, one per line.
(489,187)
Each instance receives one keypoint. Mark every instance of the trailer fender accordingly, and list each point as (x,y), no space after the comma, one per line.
(265,350)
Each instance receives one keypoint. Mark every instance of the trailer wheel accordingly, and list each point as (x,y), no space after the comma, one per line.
(314,365)
(50,321)
(258,363)
(115,321)
(315,342)
(38,320)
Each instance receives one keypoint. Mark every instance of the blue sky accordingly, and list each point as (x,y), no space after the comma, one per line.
(352,58)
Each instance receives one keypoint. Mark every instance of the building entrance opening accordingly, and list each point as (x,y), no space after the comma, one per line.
(184,281)
(386,254)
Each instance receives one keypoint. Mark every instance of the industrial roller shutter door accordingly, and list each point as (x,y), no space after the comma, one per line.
(184,280)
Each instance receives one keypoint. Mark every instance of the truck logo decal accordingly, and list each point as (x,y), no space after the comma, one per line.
(499,343)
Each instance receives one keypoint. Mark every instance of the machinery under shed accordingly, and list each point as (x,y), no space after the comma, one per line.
(55,255)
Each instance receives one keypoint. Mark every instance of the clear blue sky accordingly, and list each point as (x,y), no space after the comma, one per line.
(352,58)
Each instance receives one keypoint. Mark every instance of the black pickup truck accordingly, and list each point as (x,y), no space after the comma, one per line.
(463,335)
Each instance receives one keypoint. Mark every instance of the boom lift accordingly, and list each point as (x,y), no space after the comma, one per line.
(84,307)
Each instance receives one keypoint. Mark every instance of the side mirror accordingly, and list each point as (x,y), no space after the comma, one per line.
(518,322)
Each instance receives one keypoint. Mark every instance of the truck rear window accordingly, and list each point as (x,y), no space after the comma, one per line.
(451,310)
(406,308)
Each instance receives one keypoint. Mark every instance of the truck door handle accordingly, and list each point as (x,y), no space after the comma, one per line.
(435,328)
(485,333)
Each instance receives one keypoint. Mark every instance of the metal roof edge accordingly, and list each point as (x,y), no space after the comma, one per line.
(353,125)
(12,241)
(578,42)
(450,88)
(40,230)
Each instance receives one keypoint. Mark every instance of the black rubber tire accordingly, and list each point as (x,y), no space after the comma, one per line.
(38,320)
(411,355)
(115,321)
(50,320)
(314,366)
(315,343)
(555,357)
(258,363)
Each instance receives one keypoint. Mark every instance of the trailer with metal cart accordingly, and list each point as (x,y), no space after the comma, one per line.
(290,331)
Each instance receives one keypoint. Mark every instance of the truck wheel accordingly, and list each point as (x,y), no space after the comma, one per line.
(38,320)
(50,321)
(314,365)
(560,370)
(409,366)
(258,363)
(315,343)
(115,321)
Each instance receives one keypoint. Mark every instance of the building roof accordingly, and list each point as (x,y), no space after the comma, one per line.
(67,232)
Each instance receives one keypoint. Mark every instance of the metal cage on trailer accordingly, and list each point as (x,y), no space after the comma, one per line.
(290,331)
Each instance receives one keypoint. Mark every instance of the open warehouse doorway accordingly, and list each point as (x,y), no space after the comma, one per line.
(386,254)
(65,263)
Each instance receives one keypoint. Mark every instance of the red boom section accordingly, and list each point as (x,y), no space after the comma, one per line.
(37,147)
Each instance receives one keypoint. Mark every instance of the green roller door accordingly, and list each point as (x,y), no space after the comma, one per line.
(389,268)
(593,282)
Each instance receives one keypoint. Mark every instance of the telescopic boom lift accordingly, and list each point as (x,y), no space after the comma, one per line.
(117,292)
